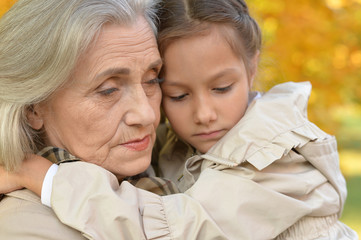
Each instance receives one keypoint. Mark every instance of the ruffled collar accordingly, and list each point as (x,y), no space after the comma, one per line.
(270,128)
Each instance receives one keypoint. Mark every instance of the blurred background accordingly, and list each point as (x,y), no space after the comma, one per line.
(317,41)
(320,41)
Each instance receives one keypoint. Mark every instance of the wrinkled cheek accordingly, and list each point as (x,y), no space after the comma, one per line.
(156,107)
(98,126)
(167,109)
(90,141)
(156,123)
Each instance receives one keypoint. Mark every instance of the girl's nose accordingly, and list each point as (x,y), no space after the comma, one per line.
(205,112)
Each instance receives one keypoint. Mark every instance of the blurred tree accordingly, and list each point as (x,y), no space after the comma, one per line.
(5,5)
(317,41)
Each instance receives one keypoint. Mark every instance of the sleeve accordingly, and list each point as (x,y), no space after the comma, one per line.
(222,204)
(288,193)
(243,208)
(47,185)
(212,209)
(94,204)
(247,209)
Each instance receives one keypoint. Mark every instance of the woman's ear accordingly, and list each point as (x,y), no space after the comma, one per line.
(254,67)
(34,117)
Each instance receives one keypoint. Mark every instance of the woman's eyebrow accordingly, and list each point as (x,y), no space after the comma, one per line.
(113,71)
(155,64)
(125,71)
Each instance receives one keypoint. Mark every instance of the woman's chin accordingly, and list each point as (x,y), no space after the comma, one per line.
(131,168)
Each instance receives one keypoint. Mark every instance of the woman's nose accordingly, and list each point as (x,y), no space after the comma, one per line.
(141,111)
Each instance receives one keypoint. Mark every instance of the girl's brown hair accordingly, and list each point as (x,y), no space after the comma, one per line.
(187,18)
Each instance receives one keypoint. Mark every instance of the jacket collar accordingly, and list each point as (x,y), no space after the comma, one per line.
(270,128)
(57,155)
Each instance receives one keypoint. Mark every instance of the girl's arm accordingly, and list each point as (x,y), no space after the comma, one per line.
(220,205)
(97,205)
(89,199)
(30,175)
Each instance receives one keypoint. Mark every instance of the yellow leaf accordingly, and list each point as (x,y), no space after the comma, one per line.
(5,5)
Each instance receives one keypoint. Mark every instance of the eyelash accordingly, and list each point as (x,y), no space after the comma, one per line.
(155,81)
(220,90)
(223,89)
(108,91)
(178,98)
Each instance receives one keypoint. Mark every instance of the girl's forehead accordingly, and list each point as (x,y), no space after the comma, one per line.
(200,57)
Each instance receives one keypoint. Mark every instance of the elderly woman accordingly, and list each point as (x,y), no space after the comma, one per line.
(78,80)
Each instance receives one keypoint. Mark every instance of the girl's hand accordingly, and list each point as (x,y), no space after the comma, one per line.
(30,175)
(8,181)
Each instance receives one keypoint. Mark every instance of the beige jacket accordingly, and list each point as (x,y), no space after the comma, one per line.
(275,175)
(23,217)
(286,167)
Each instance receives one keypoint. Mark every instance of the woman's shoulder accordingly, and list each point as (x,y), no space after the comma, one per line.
(22,216)
(20,201)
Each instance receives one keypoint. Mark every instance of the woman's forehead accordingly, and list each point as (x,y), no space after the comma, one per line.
(131,48)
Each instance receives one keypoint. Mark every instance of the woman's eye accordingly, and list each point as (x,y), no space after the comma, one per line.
(155,81)
(108,91)
(151,86)
(178,98)
(223,89)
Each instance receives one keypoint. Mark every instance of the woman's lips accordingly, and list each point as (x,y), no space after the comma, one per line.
(138,144)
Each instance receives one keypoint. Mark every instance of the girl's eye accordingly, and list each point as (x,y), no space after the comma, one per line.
(223,89)
(178,98)
(108,91)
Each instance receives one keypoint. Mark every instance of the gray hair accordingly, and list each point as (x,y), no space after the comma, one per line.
(40,43)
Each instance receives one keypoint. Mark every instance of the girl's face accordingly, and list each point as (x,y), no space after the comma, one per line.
(205,92)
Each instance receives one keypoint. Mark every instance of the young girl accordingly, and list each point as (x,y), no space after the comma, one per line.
(256,164)
(210,51)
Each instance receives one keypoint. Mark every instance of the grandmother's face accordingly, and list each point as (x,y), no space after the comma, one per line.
(108,112)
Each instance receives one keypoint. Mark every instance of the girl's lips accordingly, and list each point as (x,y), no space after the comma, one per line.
(138,144)
(209,135)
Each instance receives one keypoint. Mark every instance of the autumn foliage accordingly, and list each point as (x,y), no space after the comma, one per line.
(5,5)
(320,42)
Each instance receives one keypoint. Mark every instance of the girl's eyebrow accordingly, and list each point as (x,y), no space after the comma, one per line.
(212,78)
(223,73)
